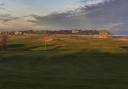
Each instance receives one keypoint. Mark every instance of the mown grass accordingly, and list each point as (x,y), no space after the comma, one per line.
(68,63)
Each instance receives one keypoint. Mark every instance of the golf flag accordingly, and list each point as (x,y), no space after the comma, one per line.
(45,37)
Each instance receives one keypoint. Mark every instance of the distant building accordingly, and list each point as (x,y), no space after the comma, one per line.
(27,32)
(90,32)
(103,34)
(18,33)
(76,31)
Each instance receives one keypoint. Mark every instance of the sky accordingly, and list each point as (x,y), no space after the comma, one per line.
(42,7)
(64,14)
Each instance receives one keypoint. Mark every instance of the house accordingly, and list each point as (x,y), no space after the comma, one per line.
(103,34)
(18,33)
(76,31)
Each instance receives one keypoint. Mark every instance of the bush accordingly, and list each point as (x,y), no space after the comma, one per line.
(4,41)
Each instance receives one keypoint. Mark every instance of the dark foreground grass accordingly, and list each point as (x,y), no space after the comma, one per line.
(73,70)
(68,63)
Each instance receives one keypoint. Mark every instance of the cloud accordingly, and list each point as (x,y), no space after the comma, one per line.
(55,19)
(7,17)
(1,8)
(101,15)
(2,5)
(93,2)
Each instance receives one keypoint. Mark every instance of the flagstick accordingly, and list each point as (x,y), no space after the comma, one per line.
(45,45)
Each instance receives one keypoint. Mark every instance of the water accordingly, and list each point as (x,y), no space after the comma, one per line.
(123,35)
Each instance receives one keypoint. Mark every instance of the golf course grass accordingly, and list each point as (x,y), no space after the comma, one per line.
(67,62)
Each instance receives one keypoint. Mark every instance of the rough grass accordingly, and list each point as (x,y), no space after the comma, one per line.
(68,63)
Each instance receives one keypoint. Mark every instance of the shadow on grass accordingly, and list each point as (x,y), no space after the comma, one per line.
(124,47)
(91,55)
(70,70)
(14,46)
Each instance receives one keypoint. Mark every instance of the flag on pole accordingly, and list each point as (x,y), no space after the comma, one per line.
(45,38)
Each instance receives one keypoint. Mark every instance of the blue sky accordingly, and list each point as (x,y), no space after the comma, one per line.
(22,7)
(43,7)
(15,13)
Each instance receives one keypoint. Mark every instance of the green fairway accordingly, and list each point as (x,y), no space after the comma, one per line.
(69,62)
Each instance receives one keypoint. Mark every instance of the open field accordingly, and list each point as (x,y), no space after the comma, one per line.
(69,62)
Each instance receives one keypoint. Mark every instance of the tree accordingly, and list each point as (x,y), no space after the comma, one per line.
(4,41)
